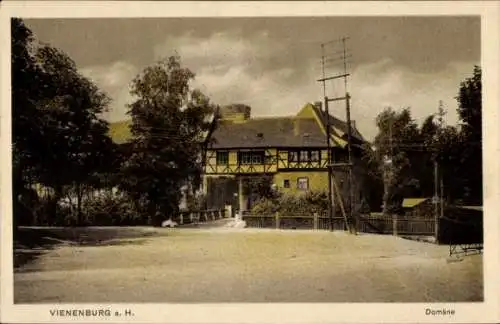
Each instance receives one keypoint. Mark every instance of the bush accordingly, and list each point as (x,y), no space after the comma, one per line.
(293,204)
(114,209)
(197,201)
(264,206)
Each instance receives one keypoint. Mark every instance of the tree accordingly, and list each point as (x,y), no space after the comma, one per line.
(392,151)
(58,138)
(259,187)
(373,177)
(422,160)
(470,112)
(168,123)
(74,144)
(25,93)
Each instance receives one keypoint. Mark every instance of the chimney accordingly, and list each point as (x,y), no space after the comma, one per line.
(235,112)
(318,105)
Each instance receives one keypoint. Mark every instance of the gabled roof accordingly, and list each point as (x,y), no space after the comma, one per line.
(268,132)
(307,129)
(120,132)
(412,202)
(338,127)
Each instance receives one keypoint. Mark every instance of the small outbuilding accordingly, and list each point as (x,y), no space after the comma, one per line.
(418,207)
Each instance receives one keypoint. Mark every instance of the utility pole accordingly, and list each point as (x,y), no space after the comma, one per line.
(438,177)
(327,100)
(388,166)
(331,198)
(349,139)
(436,202)
(441,113)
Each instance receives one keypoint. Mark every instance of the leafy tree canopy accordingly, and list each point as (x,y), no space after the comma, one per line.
(58,137)
(169,122)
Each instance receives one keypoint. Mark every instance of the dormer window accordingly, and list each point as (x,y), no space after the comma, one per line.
(293,156)
(304,156)
(315,156)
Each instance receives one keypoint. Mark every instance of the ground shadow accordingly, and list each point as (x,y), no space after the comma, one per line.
(31,242)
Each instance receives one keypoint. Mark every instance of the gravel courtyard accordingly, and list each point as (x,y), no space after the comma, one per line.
(245,265)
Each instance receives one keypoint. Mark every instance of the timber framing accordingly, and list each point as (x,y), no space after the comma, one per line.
(274,145)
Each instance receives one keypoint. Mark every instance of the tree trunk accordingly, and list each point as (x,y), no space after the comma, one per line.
(51,214)
(153,213)
(385,199)
(79,220)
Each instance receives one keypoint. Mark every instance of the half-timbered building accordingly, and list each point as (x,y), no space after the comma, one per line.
(292,150)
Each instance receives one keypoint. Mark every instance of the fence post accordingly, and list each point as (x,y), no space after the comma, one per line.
(277,220)
(191,217)
(394,224)
(181,218)
(436,230)
(315,221)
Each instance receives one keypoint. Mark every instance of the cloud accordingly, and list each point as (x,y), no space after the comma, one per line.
(231,68)
(114,79)
(259,71)
(383,84)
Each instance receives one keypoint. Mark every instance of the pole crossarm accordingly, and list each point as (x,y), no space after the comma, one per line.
(333,77)
(337,99)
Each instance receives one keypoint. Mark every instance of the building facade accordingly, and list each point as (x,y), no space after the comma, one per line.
(291,150)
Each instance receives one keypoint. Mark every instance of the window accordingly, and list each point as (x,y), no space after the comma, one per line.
(303,183)
(286,183)
(304,156)
(315,156)
(251,157)
(293,156)
(222,158)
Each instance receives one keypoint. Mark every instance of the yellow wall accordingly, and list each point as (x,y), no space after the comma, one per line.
(231,167)
(318,180)
(284,164)
(279,161)
(306,112)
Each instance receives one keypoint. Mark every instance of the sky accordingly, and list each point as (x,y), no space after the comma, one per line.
(272,64)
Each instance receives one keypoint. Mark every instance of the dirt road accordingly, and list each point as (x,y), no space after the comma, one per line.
(243,265)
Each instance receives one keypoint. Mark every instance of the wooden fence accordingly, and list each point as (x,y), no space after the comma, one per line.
(380,224)
(199,216)
(458,226)
(397,225)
